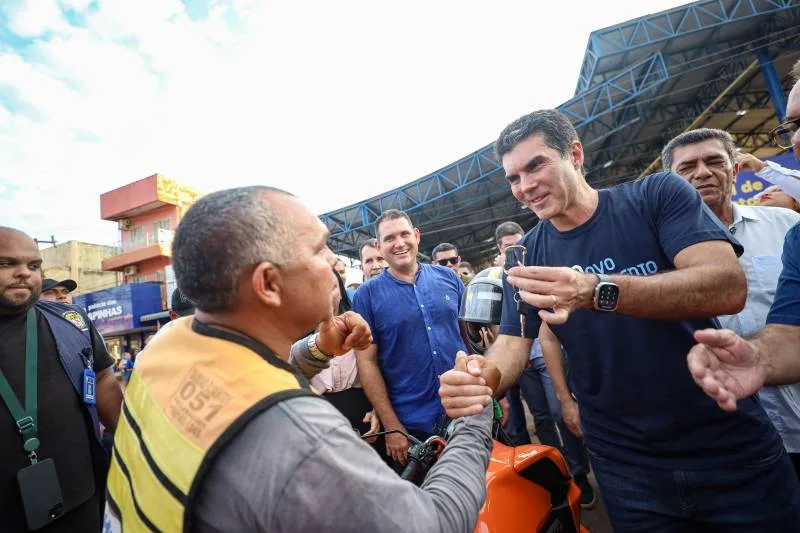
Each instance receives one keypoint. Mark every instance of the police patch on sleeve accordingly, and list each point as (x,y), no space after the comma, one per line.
(76,319)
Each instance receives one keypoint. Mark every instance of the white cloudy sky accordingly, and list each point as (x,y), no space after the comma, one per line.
(334,100)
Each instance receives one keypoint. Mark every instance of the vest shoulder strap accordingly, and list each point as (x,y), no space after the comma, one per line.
(219,445)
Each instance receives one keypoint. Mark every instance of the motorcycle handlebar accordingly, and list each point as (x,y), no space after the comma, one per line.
(421,455)
(410,471)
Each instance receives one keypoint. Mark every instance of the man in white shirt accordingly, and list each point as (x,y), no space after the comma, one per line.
(706,158)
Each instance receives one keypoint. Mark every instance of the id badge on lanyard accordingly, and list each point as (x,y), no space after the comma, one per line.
(89,386)
(89,379)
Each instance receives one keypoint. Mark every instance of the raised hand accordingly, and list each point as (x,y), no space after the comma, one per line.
(725,366)
(561,289)
(749,162)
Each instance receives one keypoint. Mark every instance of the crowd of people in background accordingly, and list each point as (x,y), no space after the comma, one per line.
(239,413)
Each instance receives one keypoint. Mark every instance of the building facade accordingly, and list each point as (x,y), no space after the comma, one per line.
(117,313)
(147,212)
(82,262)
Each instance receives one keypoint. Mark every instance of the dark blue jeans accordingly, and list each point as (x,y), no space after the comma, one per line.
(540,395)
(516,429)
(763,496)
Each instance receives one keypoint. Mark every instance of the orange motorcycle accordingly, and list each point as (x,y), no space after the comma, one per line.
(528,488)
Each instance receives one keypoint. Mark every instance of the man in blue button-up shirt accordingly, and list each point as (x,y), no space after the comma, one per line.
(412,310)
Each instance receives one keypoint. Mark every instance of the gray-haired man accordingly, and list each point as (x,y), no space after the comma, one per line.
(706,158)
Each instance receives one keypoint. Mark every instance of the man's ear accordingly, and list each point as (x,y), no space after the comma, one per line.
(266,283)
(576,154)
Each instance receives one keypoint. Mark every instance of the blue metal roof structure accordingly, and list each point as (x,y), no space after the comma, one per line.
(713,63)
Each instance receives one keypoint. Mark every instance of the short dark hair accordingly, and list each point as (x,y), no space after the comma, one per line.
(366,243)
(390,214)
(466,264)
(222,234)
(556,129)
(507,228)
(697,136)
(443,247)
(796,72)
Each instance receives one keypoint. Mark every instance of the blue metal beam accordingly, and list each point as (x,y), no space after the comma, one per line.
(674,117)
(594,106)
(633,144)
(772,82)
(453,178)
(660,27)
(607,115)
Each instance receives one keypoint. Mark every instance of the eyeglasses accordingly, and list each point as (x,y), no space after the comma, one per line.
(782,135)
(449,260)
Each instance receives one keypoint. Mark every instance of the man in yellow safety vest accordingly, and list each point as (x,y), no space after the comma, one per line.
(220,430)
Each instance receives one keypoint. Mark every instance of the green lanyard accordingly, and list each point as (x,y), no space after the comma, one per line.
(27,418)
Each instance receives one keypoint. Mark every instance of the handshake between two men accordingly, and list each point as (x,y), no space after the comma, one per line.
(468,388)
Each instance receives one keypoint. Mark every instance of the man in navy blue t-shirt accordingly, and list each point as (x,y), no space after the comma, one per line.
(412,310)
(623,277)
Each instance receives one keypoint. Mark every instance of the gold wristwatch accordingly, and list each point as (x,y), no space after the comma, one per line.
(316,353)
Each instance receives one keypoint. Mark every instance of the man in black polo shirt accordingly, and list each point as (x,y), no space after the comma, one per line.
(67,428)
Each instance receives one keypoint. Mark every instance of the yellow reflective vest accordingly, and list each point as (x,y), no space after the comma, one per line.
(194,388)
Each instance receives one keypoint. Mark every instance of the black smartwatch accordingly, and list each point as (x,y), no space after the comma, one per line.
(606,294)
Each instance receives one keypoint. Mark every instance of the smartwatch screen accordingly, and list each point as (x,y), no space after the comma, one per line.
(607,296)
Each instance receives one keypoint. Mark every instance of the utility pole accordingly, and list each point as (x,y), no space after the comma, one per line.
(43,241)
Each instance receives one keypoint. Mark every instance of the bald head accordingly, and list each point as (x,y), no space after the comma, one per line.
(20,271)
(8,230)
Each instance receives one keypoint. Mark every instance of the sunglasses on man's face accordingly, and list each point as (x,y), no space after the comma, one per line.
(449,260)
